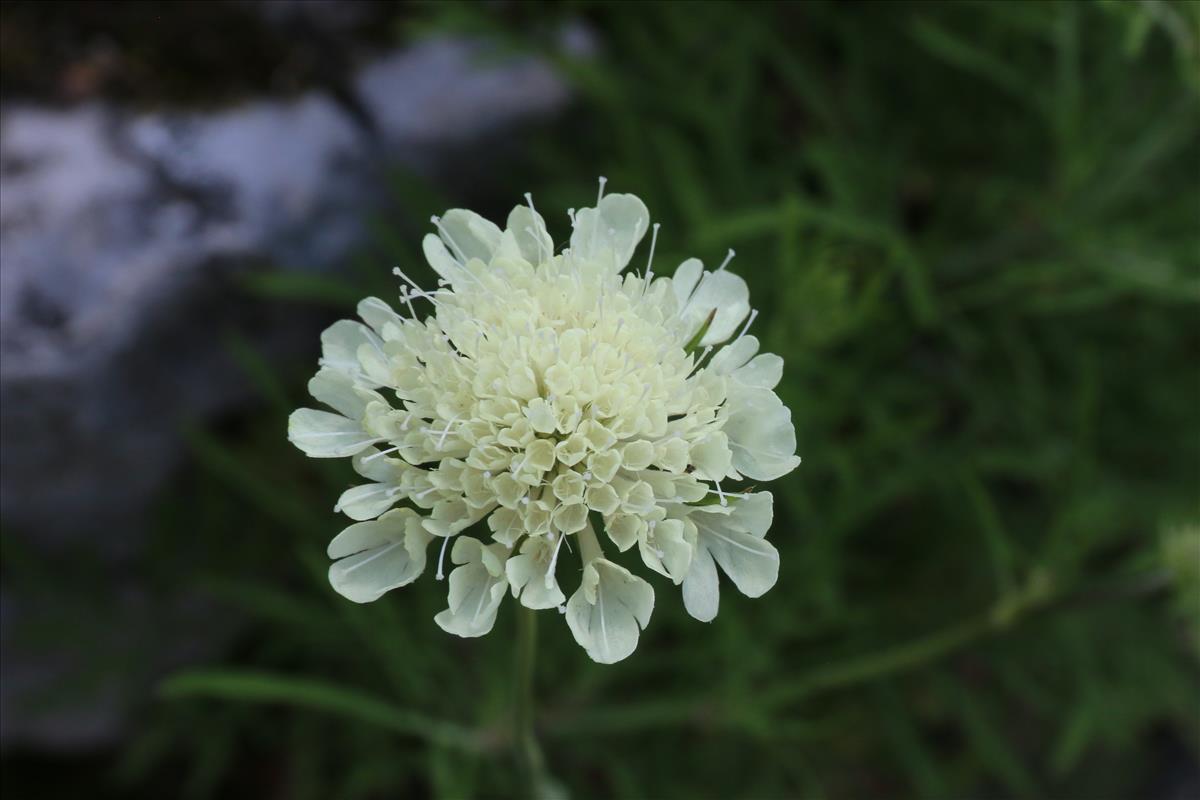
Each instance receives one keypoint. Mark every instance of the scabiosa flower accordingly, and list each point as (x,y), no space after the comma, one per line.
(562,401)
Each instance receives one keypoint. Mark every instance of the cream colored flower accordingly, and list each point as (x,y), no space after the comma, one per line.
(554,397)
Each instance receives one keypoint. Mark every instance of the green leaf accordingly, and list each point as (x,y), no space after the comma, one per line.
(694,344)
(987,739)
(1073,740)
(269,495)
(963,53)
(302,287)
(259,371)
(907,743)
(996,539)
(353,704)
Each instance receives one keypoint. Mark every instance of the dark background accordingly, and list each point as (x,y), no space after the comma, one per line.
(972,231)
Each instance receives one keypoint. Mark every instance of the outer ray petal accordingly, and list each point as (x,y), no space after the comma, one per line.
(761,436)
(734,540)
(608,611)
(610,232)
(321,434)
(378,556)
(476,588)
(530,577)
(469,235)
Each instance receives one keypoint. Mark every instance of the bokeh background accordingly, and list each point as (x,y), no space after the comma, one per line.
(974,232)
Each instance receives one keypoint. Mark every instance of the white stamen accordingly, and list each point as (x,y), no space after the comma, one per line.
(694,294)
(733,495)
(441,556)
(351,366)
(746,327)
(600,194)
(437,221)
(554,561)
(407,301)
(374,456)
(446,431)
(650,260)
(728,258)
(419,292)
(696,366)
(536,238)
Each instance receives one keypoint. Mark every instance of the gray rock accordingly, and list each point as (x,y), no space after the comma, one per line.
(111,225)
(118,235)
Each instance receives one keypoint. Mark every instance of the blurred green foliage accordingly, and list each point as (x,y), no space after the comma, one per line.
(973,231)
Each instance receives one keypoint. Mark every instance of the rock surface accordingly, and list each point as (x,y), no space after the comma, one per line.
(116,228)
(119,233)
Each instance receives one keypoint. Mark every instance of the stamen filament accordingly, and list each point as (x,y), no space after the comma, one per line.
(374,456)
(554,561)
(441,555)
(729,257)
(746,327)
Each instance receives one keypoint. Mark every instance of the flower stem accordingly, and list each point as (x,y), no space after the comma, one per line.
(531,763)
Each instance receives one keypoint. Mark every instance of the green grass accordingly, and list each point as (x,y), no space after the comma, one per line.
(973,232)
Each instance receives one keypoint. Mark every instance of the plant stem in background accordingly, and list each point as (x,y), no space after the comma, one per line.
(531,763)
(1037,595)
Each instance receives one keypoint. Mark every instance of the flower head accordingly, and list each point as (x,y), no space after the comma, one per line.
(562,401)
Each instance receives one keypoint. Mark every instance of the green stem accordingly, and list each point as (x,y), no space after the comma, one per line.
(531,763)
(1037,595)
(361,707)
(876,665)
